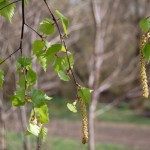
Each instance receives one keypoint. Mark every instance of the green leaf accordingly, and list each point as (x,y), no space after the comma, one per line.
(39,98)
(18,99)
(43,133)
(42,59)
(21,82)
(62,75)
(52,51)
(31,77)
(71,60)
(33,129)
(26,2)
(54,48)
(146,51)
(47,98)
(27,133)
(64,21)
(47,56)
(85,94)
(20,93)
(38,46)
(8,11)
(46,26)
(43,114)
(24,62)
(61,63)
(1,78)
(145,24)
(72,107)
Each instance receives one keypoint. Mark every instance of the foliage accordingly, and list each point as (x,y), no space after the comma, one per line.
(145,27)
(1,78)
(9,11)
(46,26)
(145,24)
(45,54)
(144,54)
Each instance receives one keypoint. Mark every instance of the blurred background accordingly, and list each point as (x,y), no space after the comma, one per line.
(104,38)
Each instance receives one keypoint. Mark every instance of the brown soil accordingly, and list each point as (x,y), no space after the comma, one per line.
(132,136)
(128,135)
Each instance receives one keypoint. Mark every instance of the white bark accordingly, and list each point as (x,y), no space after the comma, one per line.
(95,69)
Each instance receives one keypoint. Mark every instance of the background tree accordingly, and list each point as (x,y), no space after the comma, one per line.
(116,69)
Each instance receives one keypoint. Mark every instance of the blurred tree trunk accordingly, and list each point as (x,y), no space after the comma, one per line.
(138,15)
(26,142)
(2,124)
(136,22)
(92,110)
(24,122)
(95,69)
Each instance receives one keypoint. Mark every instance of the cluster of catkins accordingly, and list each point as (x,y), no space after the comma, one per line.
(144,80)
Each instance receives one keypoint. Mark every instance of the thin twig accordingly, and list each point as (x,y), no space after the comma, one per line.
(22,30)
(34,30)
(39,143)
(9,56)
(9,4)
(63,43)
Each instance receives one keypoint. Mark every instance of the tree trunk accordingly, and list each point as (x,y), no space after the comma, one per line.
(96,64)
(94,77)
(26,143)
(92,110)
(2,125)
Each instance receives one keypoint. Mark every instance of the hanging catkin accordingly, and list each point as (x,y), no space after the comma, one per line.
(84,121)
(144,80)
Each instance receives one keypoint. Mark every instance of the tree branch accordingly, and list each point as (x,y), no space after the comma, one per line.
(63,43)
(34,30)
(9,56)
(22,30)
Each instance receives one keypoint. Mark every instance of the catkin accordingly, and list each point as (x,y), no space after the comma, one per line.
(84,121)
(144,80)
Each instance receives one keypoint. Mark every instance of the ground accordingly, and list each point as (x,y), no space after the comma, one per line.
(117,129)
(128,135)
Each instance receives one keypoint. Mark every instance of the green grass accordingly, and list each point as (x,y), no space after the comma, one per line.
(68,144)
(15,140)
(58,110)
(124,116)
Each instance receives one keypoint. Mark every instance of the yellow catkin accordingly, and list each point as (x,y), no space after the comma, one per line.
(144,80)
(84,121)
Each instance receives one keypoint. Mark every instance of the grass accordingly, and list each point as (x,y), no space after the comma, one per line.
(15,140)
(124,116)
(58,110)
